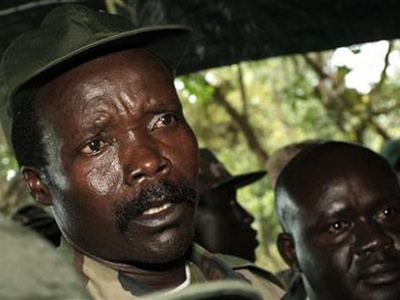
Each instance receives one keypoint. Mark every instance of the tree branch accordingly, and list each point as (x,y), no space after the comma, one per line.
(242,88)
(243,123)
(383,74)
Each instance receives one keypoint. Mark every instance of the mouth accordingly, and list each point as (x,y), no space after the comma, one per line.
(256,243)
(163,215)
(155,210)
(253,235)
(158,205)
(381,274)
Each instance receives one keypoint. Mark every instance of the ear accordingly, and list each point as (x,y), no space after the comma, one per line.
(287,249)
(36,185)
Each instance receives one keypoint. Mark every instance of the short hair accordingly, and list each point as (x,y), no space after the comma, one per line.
(327,151)
(282,156)
(391,151)
(27,138)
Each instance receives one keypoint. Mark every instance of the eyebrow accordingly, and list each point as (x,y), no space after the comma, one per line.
(162,107)
(94,127)
(333,212)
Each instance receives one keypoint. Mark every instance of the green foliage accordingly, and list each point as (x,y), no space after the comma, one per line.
(288,99)
(195,85)
(284,100)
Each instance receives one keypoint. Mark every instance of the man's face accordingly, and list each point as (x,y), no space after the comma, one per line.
(347,235)
(122,159)
(223,225)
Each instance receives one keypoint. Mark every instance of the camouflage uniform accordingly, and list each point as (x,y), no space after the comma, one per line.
(104,282)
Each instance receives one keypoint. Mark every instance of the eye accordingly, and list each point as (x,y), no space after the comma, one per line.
(93,147)
(387,213)
(337,227)
(165,120)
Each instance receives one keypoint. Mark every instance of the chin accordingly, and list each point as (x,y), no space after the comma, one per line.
(165,254)
(166,248)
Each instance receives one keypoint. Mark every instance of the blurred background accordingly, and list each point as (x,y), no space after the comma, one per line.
(260,75)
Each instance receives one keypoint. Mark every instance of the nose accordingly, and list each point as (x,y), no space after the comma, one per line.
(371,237)
(145,162)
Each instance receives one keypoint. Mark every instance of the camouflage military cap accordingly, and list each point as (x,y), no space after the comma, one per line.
(68,36)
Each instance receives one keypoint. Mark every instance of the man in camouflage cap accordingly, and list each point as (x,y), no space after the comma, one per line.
(222,224)
(90,108)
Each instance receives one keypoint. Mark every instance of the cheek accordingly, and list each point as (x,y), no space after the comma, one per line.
(325,261)
(105,177)
(307,255)
(184,152)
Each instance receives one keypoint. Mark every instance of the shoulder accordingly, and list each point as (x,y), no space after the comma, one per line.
(261,279)
(28,257)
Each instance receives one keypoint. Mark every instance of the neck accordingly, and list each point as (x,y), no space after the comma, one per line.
(156,276)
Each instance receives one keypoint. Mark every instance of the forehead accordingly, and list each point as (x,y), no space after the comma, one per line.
(120,70)
(352,177)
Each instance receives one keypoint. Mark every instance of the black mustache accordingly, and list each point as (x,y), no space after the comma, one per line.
(174,193)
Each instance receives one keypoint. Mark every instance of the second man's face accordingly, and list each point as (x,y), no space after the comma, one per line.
(123,160)
(348,236)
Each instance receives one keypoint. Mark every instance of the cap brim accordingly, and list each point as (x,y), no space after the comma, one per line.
(242,180)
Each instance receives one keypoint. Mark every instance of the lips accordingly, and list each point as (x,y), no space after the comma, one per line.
(381,274)
(161,216)
(253,235)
